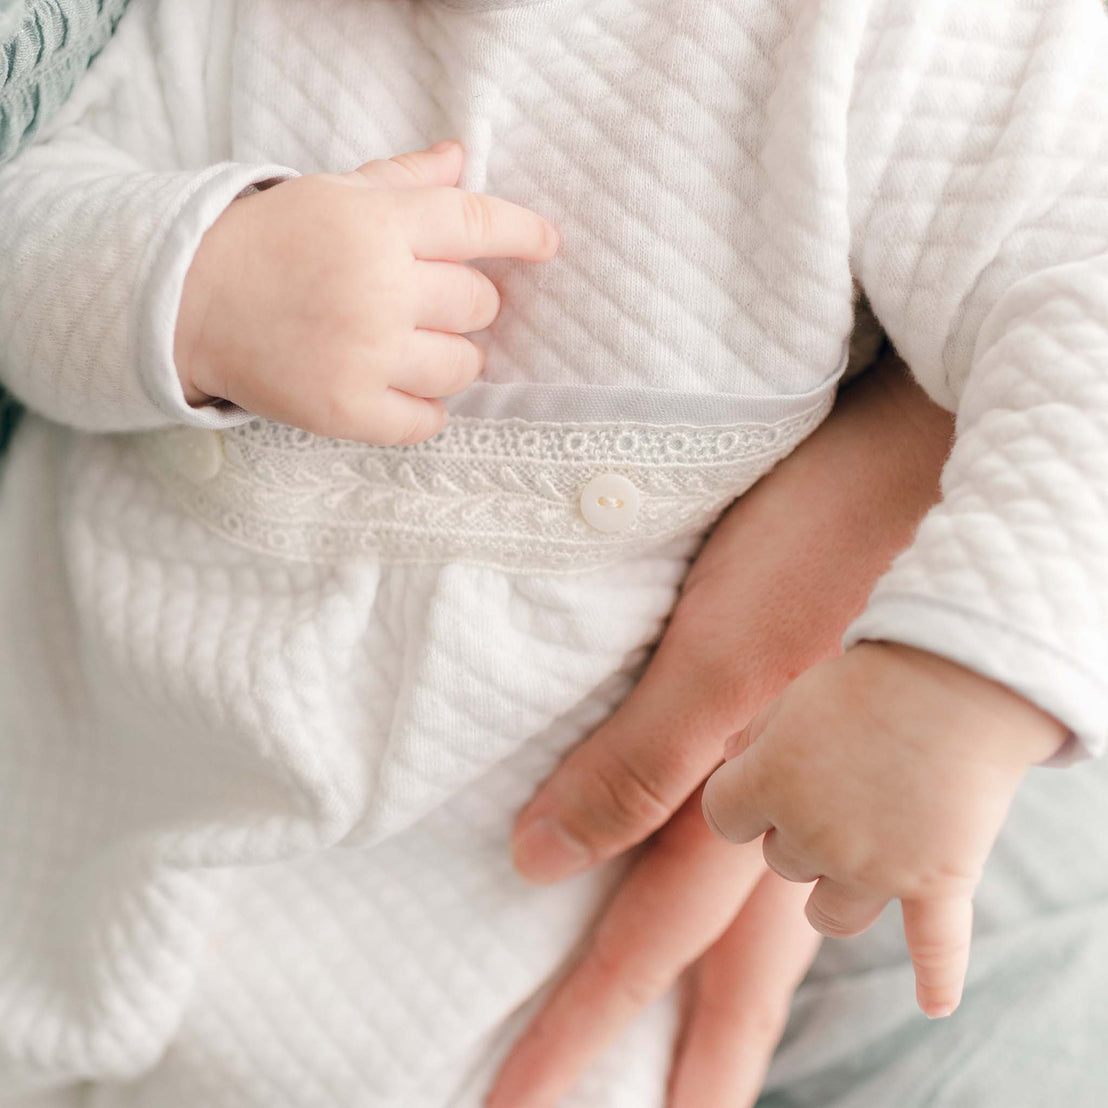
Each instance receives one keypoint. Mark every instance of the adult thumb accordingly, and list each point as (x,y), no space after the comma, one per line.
(440,164)
(629,777)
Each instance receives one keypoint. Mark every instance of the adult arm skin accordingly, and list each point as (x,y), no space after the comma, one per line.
(787,569)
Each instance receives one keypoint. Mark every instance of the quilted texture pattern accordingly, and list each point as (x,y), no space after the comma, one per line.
(260,807)
(236,719)
(1008,574)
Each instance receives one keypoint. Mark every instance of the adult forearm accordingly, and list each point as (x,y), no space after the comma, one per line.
(834,515)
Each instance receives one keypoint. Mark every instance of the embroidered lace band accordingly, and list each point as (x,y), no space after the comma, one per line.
(511,494)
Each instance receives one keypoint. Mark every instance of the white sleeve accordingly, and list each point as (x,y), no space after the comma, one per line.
(979,177)
(99,224)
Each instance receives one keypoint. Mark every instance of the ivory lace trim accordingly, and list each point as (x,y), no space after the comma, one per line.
(500,493)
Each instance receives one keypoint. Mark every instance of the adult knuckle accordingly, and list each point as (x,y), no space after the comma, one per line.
(764,1024)
(639,989)
(632,798)
(760,1024)
(618,976)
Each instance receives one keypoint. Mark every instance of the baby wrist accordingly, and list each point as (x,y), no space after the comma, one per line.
(1029,735)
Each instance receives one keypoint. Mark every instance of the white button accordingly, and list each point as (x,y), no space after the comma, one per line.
(196,453)
(610,503)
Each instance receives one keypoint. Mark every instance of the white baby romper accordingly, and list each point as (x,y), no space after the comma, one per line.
(270,702)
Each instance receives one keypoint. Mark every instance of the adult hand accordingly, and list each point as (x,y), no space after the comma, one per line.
(770,595)
(691,896)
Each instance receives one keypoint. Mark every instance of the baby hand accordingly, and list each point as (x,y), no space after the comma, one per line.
(886,772)
(336,303)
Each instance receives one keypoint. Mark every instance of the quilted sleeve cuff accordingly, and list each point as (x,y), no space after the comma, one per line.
(1054,681)
(167,263)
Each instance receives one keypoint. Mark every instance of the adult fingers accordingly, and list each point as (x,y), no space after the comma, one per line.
(734,800)
(437,364)
(440,164)
(627,779)
(454,297)
(836,912)
(938,934)
(740,1005)
(679,898)
(452,225)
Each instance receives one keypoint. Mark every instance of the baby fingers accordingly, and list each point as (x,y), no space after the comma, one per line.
(741,1000)
(674,905)
(938,934)
(397,419)
(437,364)
(733,800)
(454,297)
(836,911)
(786,861)
(450,224)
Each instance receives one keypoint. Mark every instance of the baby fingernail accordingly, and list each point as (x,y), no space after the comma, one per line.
(939,1012)
(442,147)
(545,852)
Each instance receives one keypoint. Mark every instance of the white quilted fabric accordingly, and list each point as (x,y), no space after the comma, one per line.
(257,806)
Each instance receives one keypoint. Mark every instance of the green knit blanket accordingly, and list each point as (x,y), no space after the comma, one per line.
(45,46)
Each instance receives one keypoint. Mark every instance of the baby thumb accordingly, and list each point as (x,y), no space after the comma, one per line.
(440,164)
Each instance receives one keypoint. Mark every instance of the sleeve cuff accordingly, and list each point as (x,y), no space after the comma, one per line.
(1053,681)
(166,263)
